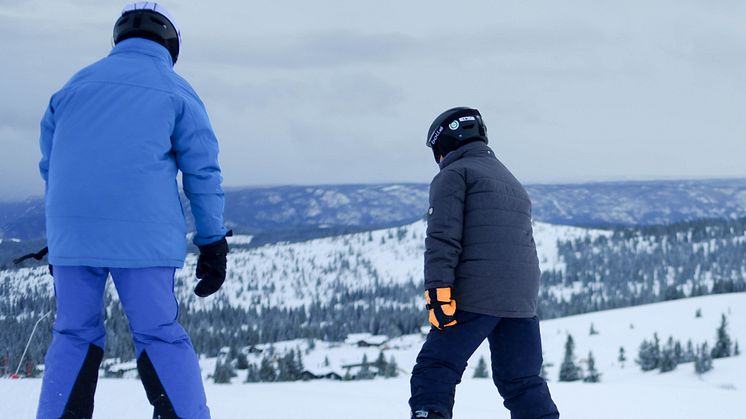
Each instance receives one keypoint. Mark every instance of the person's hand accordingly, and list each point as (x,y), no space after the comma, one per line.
(441,307)
(211,266)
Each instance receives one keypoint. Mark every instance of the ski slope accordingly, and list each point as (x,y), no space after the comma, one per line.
(624,393)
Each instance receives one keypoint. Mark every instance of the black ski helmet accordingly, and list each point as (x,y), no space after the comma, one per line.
(454,128)
(150,21)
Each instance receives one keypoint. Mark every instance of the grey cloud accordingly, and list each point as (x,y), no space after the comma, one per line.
(342,91)
(310,50)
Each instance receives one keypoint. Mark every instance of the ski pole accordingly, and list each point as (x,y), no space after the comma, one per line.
(29,341)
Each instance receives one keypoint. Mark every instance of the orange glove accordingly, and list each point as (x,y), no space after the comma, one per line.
(441,307)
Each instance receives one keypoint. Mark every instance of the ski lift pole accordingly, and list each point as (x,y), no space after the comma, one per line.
(29,341)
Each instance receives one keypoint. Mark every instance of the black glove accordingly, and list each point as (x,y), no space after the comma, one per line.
(211,266)
(38,256)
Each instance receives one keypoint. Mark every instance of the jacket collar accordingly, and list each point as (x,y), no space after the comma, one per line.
(145,47)
(476,148)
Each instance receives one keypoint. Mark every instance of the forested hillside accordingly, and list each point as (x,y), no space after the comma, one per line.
(371,282)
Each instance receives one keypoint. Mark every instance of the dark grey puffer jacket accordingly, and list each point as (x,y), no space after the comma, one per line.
(479,235)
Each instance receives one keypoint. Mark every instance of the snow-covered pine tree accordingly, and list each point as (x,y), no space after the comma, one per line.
(568,370)
(223,372)
(678,352)
(290,366)
(380,364)
(592,375)
(241,362)
(622,358)
(365,373)
(593,330)
(722,348)
(648,356)
(5,364)
(392,368)
(252,374)
(311,345)
(299,366)
(481,370)
(267,371)
(689,354)
(668,360)
(736,349)
(703,362)
(544,365)
(645,356)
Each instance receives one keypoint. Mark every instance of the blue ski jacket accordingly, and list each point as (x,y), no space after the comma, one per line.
(113,140)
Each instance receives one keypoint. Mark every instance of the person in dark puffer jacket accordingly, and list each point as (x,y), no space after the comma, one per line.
(481,276)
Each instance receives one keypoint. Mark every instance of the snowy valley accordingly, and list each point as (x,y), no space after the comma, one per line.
(345,311)
(624,392)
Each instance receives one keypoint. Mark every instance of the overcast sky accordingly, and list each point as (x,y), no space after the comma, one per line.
(343,91)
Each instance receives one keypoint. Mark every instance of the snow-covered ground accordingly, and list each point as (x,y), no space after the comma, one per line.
(624,393)
(674,396)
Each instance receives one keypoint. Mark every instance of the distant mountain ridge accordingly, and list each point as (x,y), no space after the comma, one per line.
(638,203)
(291,213)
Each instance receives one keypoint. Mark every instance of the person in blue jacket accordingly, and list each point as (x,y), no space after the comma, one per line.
(481,276)
(113,140)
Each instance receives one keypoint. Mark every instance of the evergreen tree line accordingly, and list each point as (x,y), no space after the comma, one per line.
(570,370)
(636,266)
(368,371)
(654,356)
(274,367)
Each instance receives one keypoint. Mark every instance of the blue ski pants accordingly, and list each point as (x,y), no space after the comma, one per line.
(515,347)
(148,300)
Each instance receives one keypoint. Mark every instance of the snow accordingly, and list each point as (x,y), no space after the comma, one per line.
(659,398)
(624,393)
(366,338)
(294,274)
(240,239)
(125,366)
(546,237)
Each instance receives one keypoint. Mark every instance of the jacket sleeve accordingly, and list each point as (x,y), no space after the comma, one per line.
(196,149)
(444,228)
(45,141)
